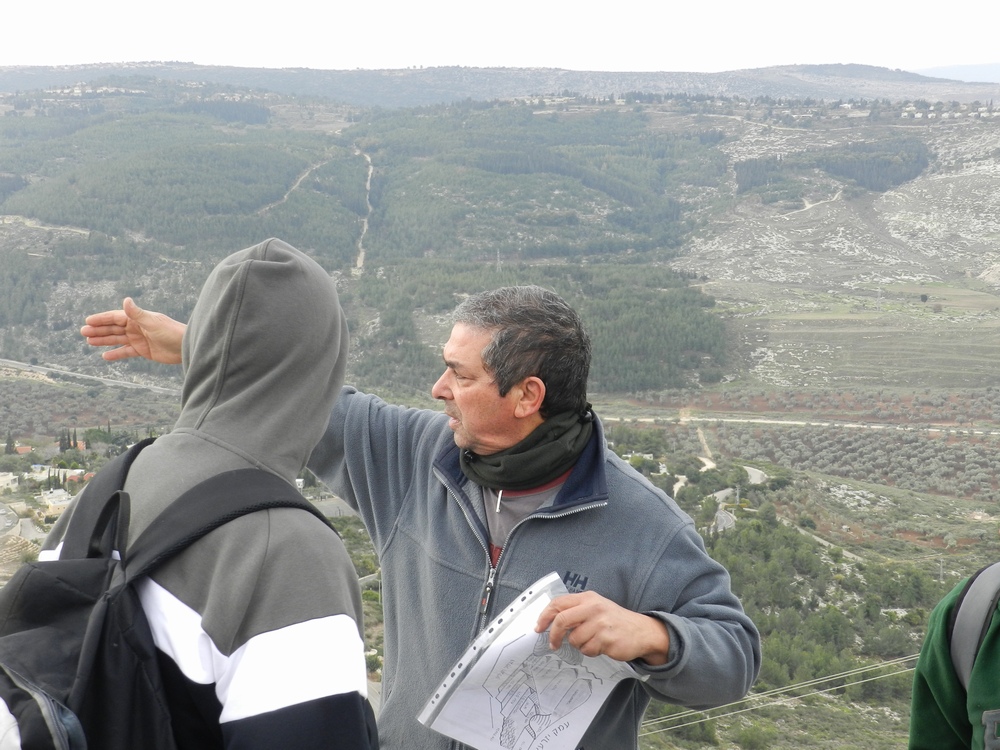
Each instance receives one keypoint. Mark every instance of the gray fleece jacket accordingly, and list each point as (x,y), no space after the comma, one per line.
(609,531)
(259,622)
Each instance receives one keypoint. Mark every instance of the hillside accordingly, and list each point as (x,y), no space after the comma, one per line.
(892,288)
(876,216)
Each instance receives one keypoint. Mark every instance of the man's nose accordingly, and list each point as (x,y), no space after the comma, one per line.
(440,388)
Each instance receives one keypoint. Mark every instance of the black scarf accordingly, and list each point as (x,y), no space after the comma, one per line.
(549,451)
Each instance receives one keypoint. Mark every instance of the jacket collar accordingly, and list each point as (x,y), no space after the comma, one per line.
(587,482)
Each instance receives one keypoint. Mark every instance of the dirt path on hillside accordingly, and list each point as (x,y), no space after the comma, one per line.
(359,265)
(295,186)
(808,205)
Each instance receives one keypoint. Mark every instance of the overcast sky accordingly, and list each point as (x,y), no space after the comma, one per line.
(622,35)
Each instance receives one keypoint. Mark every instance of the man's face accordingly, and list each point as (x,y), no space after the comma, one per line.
(482,420)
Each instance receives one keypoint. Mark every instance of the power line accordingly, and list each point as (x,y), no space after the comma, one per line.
(806,683)
(774,703)
(757,697)
(780,701)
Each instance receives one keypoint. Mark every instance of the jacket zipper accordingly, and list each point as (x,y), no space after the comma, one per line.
(491,578)
(484,604)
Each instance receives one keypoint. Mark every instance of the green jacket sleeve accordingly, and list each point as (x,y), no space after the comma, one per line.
(939,716)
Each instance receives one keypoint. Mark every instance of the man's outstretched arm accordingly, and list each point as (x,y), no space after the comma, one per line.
(135,333)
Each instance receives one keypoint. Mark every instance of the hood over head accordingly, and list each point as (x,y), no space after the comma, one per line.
(264,355)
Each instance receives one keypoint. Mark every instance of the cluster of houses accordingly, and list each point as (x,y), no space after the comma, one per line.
(912,113)
(50,502)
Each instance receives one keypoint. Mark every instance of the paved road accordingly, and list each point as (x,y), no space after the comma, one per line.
(333,507)
(724,520)
(46,370)
(8,520)
(30,531)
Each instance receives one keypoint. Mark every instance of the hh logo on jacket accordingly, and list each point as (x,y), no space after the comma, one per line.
(575,583)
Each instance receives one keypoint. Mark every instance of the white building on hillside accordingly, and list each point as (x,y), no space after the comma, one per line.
(54,502)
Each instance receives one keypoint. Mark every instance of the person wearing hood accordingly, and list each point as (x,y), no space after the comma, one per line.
(512,482)
(259,623)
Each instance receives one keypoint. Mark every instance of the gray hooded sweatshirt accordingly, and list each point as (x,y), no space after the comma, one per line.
(259,622)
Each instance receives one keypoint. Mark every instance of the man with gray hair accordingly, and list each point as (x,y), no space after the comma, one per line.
(515,480)
(534,333)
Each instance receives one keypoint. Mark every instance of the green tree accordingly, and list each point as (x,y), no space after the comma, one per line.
(709,507)
(768,514)
(756,737)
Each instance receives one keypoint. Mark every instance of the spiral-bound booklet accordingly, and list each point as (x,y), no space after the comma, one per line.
(511,691)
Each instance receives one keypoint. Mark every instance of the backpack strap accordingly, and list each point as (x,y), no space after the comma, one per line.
(207,506)
(971,618)
(100,512)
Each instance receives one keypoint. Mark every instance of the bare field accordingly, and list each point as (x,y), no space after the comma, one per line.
(888,350)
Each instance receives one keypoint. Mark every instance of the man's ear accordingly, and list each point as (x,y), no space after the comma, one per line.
(530,395)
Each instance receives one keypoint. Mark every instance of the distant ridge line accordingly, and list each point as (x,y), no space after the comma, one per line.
(411,87)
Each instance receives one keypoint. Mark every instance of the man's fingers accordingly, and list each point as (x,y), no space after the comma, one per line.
(132,310)
(108,318)
(122,352)
(548,614)
(585,644)
(92,330)
(558,617)
(98,337)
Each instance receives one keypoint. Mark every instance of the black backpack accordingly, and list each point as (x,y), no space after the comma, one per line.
(78,667)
